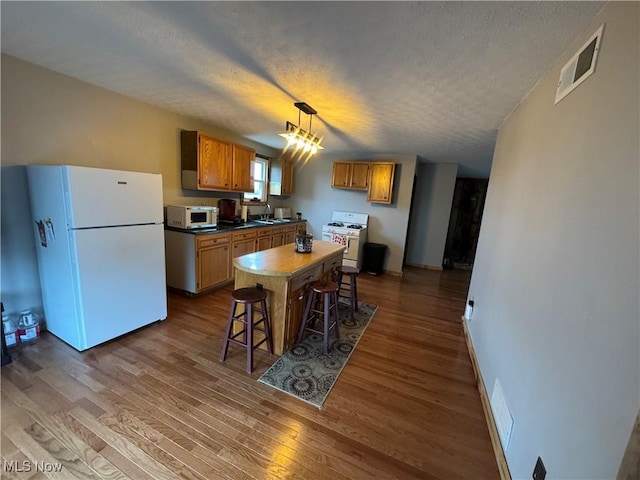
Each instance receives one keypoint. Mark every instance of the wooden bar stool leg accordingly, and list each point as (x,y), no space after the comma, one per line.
(249,335)
(225,345)
(305,316)
(354,292)
(267,326)
(335,314)
(327,320)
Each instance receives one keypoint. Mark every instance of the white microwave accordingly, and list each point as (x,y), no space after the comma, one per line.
(188,217)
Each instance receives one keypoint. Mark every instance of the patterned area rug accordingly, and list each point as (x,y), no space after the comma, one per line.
(305,371)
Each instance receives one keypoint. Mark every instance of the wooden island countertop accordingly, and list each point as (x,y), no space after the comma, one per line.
(284,260)
(285,274)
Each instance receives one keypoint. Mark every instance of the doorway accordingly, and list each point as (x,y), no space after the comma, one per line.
(464,223)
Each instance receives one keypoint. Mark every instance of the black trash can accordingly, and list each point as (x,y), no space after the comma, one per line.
(373,256)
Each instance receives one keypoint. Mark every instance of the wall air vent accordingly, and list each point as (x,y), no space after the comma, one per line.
(580,67)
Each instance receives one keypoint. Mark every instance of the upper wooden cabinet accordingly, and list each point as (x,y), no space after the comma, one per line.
(242,179)
(374,177)
(340,175)
(212,164)
(351,175)
(281,177)
(381,182)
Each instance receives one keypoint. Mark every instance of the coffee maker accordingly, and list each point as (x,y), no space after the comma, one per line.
(227,212)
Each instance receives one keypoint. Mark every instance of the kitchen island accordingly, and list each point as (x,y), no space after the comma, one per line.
(285,274)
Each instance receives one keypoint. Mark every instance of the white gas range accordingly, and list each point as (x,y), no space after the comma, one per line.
(348,229)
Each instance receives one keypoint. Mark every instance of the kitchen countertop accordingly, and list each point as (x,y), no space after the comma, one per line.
(231,228)
(284,261)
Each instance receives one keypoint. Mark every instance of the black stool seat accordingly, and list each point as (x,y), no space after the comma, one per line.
(348,290)
(248,297)
(322,296)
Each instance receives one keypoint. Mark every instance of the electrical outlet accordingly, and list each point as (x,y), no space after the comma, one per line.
(539,472)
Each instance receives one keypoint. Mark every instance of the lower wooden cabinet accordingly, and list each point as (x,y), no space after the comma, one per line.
(290,232)
(213,261)
(196,263)
(271,237)
(296,301)
(243,243)
(277,236)
(264,239)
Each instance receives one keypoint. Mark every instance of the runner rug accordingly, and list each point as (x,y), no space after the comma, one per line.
(305,372)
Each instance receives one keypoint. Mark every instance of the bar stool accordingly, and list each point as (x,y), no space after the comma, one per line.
(248,297)
(323,294)
(352,288)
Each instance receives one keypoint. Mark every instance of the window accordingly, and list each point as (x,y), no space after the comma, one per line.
(260,169)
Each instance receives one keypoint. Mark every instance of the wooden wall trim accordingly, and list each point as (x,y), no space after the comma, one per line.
(503,468)
(425,267)
(393,273)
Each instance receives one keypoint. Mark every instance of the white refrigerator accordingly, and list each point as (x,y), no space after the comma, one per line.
(100,248)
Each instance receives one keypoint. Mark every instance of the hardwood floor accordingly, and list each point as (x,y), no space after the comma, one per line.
(158,404)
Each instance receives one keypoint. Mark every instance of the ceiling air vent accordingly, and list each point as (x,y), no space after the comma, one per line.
(578,69)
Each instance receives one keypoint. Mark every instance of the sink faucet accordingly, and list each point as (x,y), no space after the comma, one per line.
(267,210)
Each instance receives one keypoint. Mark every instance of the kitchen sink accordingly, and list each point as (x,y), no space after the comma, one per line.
(273,221)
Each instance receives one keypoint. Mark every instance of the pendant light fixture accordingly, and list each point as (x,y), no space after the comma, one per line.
(304,142)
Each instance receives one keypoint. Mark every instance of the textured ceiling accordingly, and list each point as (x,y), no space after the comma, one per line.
(434,79)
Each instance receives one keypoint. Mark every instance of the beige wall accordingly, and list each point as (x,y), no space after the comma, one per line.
(53,119)
(556,276)
(432,198)
(49,118)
